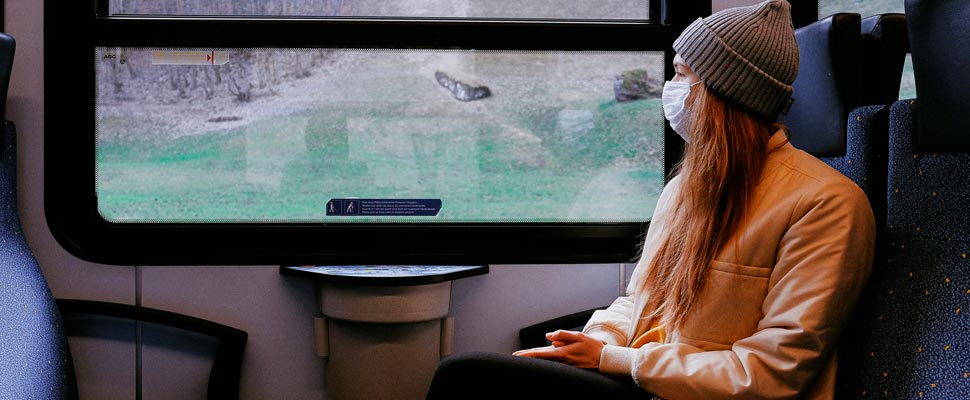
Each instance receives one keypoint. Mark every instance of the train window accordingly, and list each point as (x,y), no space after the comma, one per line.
(864,8)
(360,136)
(554,9)
(191,132)
(907,87)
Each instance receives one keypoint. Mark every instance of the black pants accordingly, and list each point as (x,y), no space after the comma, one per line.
(501,376)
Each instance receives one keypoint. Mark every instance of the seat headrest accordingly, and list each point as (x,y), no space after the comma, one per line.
(885,43)
(827,87)
(803,13)
(940,45)
(7,47)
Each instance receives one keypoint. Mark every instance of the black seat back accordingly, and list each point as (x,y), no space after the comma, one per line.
(827,87)
(940,40)
(885,43)
(7,47)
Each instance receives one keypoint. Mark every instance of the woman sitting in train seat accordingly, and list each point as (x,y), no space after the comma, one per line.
(756,254)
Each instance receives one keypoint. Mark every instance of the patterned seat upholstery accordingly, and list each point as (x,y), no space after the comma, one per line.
(865,155)
(911,335)
(912,330)
(34,359)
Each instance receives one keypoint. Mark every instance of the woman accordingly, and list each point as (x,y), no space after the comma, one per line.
(757,252)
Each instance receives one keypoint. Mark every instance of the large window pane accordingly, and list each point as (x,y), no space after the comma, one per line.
(553,9)
(262,135)
(866,8)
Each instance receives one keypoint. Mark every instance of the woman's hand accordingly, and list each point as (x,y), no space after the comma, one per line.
(568,347)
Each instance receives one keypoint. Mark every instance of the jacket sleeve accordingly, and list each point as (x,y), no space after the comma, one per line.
(823,262)
(612,324)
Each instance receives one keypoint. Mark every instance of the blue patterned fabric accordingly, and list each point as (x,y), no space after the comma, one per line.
(34,359)
(865,157)
(911,335)
(929,193)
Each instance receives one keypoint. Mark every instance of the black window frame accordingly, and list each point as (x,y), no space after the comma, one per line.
(74,29)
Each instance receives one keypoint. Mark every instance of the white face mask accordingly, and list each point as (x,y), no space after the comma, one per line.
(673,99)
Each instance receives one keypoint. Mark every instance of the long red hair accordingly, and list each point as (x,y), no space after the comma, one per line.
(720,168)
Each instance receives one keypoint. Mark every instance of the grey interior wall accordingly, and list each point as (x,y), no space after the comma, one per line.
(490,309)
(276,311)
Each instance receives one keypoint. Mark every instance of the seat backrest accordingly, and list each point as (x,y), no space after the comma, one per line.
(7,47)
(911,336)
(885,43)
(826,90)
(848,63)
(865,156)
(226,369)
(883,49)
(34,357)
(827,87)
(939,38)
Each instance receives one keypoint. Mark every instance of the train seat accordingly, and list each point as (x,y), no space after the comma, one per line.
(827,87)
(940,46)
(35,357)
(884,44)
(911,337)
(838,116)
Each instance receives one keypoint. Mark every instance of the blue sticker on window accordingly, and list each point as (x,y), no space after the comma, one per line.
(383,207)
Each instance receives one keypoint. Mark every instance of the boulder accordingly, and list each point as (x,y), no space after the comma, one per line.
(461,90)
(225,118)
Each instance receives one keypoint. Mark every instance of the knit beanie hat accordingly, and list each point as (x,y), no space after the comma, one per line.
(746,54)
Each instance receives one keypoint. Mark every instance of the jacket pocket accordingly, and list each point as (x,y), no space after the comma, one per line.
(729,305)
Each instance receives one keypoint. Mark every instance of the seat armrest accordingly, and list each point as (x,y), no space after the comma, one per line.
(535,335)
(227,365)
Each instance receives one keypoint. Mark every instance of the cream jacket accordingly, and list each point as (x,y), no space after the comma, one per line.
(775,299)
